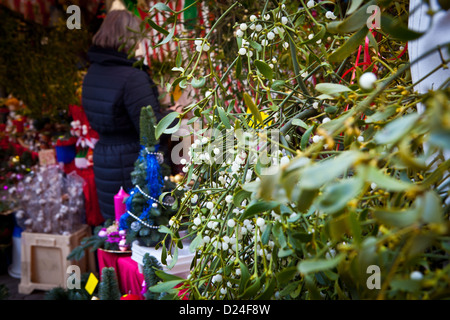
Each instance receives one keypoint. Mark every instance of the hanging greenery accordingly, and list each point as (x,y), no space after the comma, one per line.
(309,173)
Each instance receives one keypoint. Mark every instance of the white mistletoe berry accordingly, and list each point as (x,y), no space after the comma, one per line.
(229,198)
(243,26)
(217,278)
(310,4)
(316,138)
(252,18)
(270,35)
(231,223)
(416,275)
(367,80)
(326,119)
(284,20)
(242,51)
(284,160)
(260,222)
(330,15)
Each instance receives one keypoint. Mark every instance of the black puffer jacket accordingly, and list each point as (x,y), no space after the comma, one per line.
(113,94)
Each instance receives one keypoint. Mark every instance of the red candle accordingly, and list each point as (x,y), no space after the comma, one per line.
(119,203)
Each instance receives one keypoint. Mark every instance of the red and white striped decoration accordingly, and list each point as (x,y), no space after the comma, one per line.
(154,37)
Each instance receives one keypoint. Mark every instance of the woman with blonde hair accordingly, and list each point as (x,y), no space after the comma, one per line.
(113,93)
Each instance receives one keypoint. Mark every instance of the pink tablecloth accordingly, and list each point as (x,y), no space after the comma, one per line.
(127,271)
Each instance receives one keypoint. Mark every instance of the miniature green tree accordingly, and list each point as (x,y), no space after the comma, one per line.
(151,264)
(109,286)
(145,212)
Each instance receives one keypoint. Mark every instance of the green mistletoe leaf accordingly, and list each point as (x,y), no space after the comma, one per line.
(251,105)
(316,265)
(331,88)
(349,46)
(165,123)
(397,30)
(265,69)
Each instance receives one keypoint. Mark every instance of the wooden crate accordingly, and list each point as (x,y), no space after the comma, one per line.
(43,259)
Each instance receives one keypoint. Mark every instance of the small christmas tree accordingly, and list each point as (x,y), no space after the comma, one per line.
(109,286)
(145,213)
(151,264)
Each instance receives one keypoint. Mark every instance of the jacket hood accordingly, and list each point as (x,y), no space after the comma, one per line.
(111,57)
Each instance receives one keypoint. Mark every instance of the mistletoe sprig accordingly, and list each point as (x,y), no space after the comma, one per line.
(308,162)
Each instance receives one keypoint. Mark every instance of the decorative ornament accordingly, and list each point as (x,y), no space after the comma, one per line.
(123,246)
(135,226)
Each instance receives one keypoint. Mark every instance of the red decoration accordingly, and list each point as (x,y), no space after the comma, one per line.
(183,294)
(66,142)
(130,297)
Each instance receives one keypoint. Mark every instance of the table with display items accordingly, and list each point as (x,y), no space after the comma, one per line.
(129,278)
